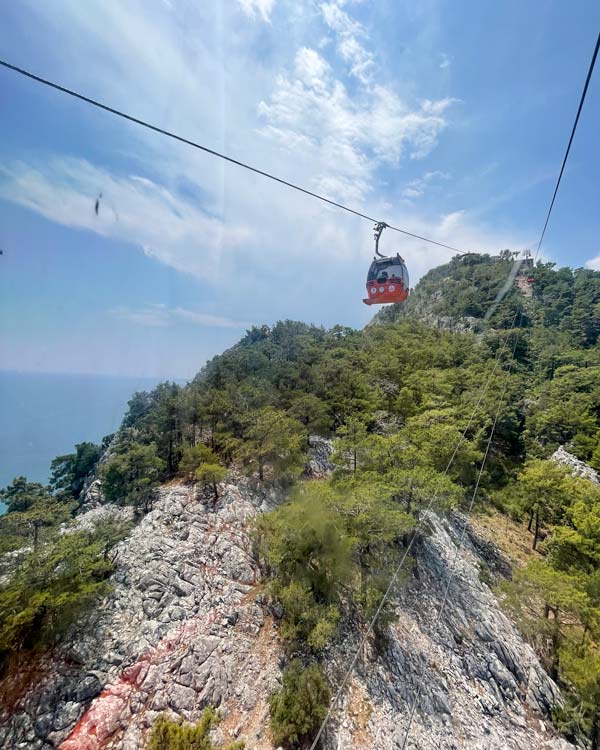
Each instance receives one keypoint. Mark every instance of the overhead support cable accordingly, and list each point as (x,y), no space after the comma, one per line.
(574,128)
(461,540)
(212,152)
(416,529)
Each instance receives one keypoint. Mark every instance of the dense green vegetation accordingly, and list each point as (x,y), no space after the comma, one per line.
(69,472)
(177,735)
(300,705)
(396,398)
(556,596)
(58,569)
(59,574)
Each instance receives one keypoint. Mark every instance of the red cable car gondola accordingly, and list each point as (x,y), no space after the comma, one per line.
(530,280)
(387,280)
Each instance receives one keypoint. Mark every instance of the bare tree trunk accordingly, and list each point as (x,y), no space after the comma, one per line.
(536,532)
(595,731)
(530,524)
(552,614)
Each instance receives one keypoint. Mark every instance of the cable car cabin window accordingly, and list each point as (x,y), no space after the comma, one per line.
(388,268)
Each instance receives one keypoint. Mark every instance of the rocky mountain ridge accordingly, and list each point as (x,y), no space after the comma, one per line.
(180,630)
(188,625)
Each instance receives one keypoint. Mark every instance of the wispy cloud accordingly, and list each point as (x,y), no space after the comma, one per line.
(346,138)
(309,112)
(593,263)
(161,316)
(416,188)
(351,38)
(262,8)
(152,316)
(168,228)
(445,62)
(204,319)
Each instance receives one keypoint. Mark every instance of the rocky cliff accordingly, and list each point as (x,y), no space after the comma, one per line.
(481,687)
(187,625)
(182,629)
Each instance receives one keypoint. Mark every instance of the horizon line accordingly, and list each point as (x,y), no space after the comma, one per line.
(16,371)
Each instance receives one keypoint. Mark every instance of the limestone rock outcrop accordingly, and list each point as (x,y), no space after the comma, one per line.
(182,629)
(576,467)
(187,625)
(476,683)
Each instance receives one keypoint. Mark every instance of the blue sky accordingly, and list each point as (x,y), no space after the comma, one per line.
(449,119)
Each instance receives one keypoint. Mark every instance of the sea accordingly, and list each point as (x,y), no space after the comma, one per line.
(43,415)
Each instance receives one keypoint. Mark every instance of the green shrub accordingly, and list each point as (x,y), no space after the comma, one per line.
(131,477)
(54,583)
(175,735)
(194,456)
(298,708)
(69,472)
(325,543)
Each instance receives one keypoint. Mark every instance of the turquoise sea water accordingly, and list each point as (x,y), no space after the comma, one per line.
(43,415)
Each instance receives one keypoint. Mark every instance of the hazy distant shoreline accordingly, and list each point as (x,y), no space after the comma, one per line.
(43,415)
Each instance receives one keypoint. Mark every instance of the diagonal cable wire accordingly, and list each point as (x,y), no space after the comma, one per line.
(461,538)
(409,546)
(562,169)
(430,505)
(212,152)
(501,400)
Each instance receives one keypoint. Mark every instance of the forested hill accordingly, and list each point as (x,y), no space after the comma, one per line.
(395,399)
(460,293)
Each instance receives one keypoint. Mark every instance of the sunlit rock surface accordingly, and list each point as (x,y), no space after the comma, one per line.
(576,467)
(186,626)
(477,684)
(181,630)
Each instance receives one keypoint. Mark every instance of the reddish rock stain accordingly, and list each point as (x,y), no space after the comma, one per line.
(110,711)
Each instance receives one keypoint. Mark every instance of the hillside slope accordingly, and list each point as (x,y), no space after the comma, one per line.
(212,554)
(187,626)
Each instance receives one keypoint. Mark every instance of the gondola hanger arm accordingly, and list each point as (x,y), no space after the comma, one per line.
(377,230)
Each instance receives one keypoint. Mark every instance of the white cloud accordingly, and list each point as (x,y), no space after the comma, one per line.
(305,112)
(161,316)
(152,316)
(457,229)
(311,68)
(262,8)
(593,263)
(205,319)
(132,208)
(350,36)
(346,138)
(416,188)
(446,62)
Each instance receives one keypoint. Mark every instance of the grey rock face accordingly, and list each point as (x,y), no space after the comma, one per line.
(477,685)
(187,626)
(93,496)
(97,514)
(576,467)
(180,631)
(319,464)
